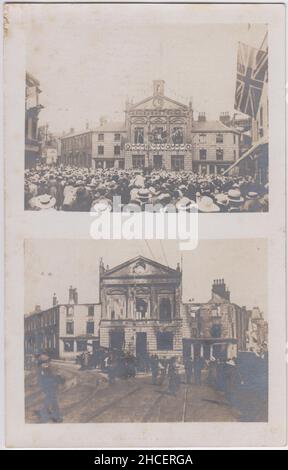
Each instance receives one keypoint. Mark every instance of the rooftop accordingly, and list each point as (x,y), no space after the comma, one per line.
(211,126)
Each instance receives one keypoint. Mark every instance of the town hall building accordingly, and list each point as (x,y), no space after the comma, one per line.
(141,311)
(158,133)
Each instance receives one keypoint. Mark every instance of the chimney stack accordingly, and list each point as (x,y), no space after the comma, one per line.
(37,308)
(101,266)
(225,118)
(201,117)
(55,301)
(71,295)
(75,296)
(219,288)
(102,121)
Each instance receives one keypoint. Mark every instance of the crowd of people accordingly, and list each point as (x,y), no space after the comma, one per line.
(71,188)
(243,381)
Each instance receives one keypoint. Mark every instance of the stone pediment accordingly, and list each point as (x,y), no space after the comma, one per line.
(158,103)
(140,267)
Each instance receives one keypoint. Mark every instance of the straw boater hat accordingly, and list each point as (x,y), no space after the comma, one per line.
(43,358)
(234,196)
(206,204)
(252,195)
(184,204)
(143,195)
(45,201)
(101,205)
(221,199)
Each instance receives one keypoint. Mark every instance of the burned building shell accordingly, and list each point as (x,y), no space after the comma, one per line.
(141,311)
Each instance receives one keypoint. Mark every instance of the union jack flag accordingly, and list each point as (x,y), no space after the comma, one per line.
(252,68)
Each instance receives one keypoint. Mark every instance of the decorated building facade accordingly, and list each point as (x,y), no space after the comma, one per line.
(158,133)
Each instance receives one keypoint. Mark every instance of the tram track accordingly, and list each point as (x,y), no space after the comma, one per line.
(113,402)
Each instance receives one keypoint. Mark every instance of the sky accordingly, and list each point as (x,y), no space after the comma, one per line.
(89,59)
(53,265)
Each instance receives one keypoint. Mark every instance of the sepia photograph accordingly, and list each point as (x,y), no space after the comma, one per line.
(156,112)
(149,329)
(144,333)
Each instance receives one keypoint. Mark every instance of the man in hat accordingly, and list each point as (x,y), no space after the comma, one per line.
(49,383)
(188,365)
(252,203)
(83,199)
(42,202)
(235,200)
(206,204)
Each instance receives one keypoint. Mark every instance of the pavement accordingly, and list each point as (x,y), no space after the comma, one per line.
(87,397)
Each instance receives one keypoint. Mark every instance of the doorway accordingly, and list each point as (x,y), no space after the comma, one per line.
(157,162)
(117,339)
(141,344)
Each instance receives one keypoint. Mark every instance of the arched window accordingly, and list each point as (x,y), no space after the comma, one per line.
(141,308)
(165,311)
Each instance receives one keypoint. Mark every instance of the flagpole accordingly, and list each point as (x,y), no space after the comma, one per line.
(266,34)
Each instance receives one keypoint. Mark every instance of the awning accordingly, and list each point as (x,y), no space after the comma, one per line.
(248,152)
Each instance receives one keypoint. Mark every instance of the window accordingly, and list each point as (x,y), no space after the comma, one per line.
(202,138)
(91,310)
(117,137)
(70,328)
(234,154)
(139,135)
(177,135)
(141,308)
(117,150)
(202,154)
(81,345)
(90,328)
(138,161)
(101,137)
(219,154)
(100,149)
(158,135)
(68,345)
(70,311)
(219,138)
(234,139)
(165,341)
(109,163)
(216,331)
(177,162)
(165,313)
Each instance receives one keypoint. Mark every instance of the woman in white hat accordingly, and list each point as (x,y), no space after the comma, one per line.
(206,204)
(43,202)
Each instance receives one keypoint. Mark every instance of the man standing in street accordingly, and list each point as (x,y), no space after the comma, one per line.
(188,365)
(49,382)
(198,363)
(154,369)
